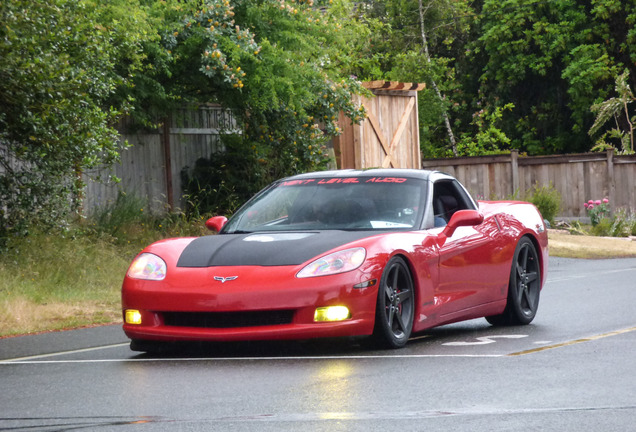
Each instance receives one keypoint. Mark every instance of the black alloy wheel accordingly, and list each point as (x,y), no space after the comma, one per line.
(395,306)
(524,287)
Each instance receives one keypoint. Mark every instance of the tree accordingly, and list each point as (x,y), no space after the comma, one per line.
(62,62)
(422,42)
(278,65)
(552,60)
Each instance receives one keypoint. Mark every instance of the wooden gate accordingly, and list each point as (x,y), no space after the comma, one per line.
(389,136)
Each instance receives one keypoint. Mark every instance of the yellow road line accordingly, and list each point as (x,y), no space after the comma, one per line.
(573,342)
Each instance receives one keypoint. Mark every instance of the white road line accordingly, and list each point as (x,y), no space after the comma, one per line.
(224,359)
(587,275)
(83,350)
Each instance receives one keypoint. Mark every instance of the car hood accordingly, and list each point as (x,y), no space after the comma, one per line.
(264,249)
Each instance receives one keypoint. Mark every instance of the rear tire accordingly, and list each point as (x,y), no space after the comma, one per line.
(524,287)
(395,306)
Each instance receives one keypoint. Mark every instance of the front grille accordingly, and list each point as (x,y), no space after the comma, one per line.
(227,319)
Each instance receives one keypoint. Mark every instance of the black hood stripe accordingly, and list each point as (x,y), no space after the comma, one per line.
(264,249)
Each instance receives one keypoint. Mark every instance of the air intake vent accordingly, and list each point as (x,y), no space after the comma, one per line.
(227,319)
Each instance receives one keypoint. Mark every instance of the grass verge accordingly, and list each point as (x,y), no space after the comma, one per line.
(563,244)
(50,282)
(72,278)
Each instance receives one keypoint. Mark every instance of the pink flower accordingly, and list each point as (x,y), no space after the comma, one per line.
(585,205)
(590,206)
(590,202)
(598,202)
(605,200)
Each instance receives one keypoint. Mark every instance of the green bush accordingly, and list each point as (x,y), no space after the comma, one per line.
(547,199)
(621,224)
(603,228)
(597,210)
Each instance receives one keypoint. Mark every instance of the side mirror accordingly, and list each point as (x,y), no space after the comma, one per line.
(462,218)
(216,223)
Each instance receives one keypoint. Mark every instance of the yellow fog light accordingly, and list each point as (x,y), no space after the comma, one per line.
(133,316)
(331,313)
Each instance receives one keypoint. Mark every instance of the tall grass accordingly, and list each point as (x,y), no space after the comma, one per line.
(57,279)
(50,281)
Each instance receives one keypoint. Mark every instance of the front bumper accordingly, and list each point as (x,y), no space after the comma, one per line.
(260,304)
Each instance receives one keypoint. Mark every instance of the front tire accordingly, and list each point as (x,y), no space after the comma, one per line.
(523,289)
(395,305)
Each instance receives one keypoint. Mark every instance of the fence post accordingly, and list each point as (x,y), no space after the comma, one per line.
(167,158)
(514,164)
(611,184)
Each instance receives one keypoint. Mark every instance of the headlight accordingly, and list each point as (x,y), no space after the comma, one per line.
(337,262)
(147,266)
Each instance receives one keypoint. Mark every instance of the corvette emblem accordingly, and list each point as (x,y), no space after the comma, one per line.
(224,279)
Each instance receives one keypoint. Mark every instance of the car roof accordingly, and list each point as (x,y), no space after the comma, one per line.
(383,172)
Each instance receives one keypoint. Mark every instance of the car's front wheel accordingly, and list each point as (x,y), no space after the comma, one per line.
(524,287)
(395,305)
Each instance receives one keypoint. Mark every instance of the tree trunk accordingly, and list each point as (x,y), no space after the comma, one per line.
(449,129)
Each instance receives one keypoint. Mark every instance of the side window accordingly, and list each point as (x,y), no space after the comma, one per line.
(448,197)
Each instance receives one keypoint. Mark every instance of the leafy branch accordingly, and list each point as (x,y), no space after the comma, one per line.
(616,108)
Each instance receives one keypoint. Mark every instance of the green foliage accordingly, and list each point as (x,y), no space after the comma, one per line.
(115,219)
(524,43)
(553,60)
(127,221)
(597,210)
(220,184)
(616,109)
(576,228)
(621,224)
(511,74)
(426,48)
(70,69)
(602,227)
(487,138)
(62,63)
(547,199)
(278,66)
(59,267)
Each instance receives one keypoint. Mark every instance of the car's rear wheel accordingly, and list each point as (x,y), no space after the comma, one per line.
(524,287)
(395,305)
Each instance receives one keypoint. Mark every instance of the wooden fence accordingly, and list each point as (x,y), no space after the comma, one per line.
(577,177)
(185,137)
(192,134)
(389,136)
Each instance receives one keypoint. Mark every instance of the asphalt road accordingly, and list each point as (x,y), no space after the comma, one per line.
(572,369)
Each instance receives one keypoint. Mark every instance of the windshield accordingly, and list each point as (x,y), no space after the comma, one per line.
(338,203)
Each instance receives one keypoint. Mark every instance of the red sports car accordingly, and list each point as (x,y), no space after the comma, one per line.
(382,252)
